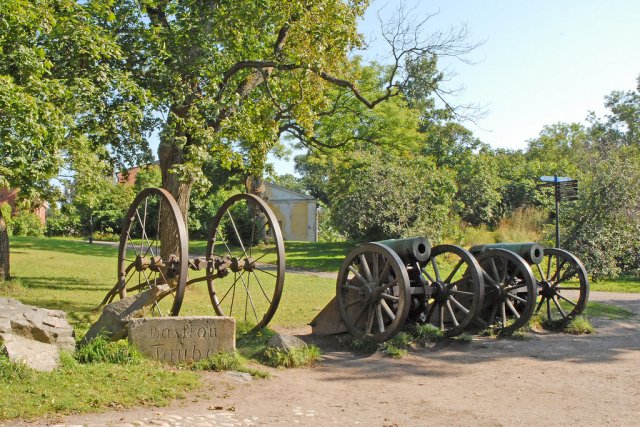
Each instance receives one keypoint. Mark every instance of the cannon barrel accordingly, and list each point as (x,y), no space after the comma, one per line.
(413,249)
(532,252)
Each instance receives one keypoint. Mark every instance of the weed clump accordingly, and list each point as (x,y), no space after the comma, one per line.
(100,350)
(293,358)
(397,346)
(10,371)
(579,325)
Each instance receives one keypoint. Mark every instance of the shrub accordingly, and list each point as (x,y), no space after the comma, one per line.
(27,224)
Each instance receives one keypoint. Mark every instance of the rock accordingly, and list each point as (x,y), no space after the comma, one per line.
(183,339)
(285,342)
(115,317)
(35,323)
(35,354)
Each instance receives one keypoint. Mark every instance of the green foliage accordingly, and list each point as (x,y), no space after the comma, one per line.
(423,334)
(219,362)
(604,224)
(365,344)
(10,372)
(101,350)
(375,198)
(292,358)
(26,223)
(579,325)
(397,346)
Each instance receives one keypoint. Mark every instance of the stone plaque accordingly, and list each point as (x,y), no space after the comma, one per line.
(183,339)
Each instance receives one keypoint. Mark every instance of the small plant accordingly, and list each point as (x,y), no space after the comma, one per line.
(397,346)
(10,371)
(223,361)
(465,338)
(521,335)
(578,326)
(426,333)
(219,362)
(294,358)
(365,345)
(100,350)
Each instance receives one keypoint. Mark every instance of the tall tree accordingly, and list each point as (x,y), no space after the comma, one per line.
(229,77)
(56,84)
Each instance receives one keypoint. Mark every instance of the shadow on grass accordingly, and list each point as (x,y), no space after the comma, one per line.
(61,283)
(77,247)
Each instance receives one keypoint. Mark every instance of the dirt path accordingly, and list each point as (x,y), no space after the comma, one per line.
(552,379)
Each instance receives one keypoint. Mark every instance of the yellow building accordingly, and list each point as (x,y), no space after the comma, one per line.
(296,213)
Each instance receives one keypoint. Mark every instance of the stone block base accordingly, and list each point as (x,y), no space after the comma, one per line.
(183,339)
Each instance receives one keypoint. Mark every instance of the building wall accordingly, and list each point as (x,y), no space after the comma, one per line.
(296,213)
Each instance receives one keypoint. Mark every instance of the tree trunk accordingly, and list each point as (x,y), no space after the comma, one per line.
(4,249)
(170,155)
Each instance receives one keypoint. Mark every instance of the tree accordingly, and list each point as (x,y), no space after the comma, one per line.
(230,77)
(55,84)
(376,197)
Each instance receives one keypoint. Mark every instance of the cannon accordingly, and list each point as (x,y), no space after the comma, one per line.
(561,283)
(383,285)
(243,266)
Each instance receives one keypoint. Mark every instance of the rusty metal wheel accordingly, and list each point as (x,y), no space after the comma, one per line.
(372,292)
(142,261)
(246,261)
(454,289)
(563,285)
(510,291)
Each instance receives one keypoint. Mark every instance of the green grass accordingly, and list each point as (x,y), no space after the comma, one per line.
(293,358)
(579,325)
(76,387)
(626,284)
(314,256)
(608,311)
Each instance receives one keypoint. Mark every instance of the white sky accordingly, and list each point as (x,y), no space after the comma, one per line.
(543,61)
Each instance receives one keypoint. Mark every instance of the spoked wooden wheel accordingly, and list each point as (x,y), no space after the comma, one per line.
(245,261)
(143,261)
(454,289)
(372,292)
(563,286)
(509,291)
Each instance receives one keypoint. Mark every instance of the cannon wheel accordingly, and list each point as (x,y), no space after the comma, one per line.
(510,291)
(455,288)
(372,292)
(141,261)
(246,230)
(563,286)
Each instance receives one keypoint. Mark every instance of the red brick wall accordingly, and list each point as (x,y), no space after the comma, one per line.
(9,196)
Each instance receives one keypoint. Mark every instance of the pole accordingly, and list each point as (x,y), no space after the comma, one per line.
(557,197)
(91,228)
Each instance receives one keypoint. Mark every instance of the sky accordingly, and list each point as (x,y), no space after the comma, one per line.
(542,61)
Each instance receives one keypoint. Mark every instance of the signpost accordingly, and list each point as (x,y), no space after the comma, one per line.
(565,188)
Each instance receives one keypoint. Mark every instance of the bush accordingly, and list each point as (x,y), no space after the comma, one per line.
(27,224)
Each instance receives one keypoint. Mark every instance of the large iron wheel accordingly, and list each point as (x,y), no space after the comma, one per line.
(245,261)
(509,291)
(454,289)
(143,261)
(372,292)
(563,286)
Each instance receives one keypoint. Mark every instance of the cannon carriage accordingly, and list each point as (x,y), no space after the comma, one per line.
(241,274)
(383,285)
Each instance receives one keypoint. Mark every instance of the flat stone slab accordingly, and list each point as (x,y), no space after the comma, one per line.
(183,339)
(35,354)
(35,323)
